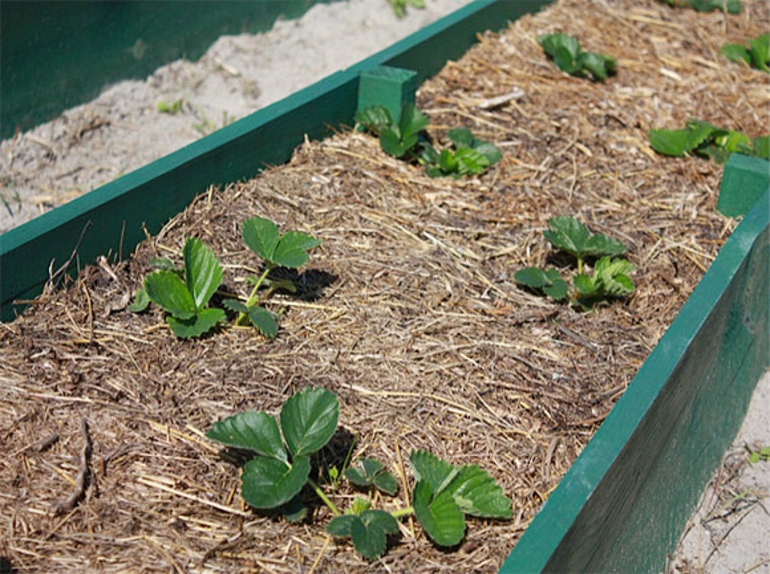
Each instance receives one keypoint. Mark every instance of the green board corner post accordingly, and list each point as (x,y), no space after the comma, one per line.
(623,504)
(389,87)
(744,181)
(109,220)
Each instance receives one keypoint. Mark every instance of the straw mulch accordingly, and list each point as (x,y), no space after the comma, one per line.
(408,312)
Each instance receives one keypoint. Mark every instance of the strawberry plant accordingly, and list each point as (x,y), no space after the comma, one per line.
(705,140)
(185,294)
(276,477)
(470,155)
(610,276)
(566,53)
(406,140)
(289,250)
(757,55)
(729,6)
(400,6)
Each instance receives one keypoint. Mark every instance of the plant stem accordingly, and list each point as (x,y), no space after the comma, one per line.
(580,265)
(402,512)
(323,497)
(253,298)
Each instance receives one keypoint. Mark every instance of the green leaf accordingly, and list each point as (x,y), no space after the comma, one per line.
(432,470)
(390,141)
(370,530)
(251,430)
(477,494)
(374,118)
(235,305)
(261,236)
(263,320)
(599,65)
(673,143)
(440,516)
(558,288)
(196,325)
(532,277)
(552,43)
(412,122)
(461,137)
(568,234)
(611,277)
(565,61)
(701,132)
(309,419)
(489,151)
(762,147)
(470,161)
(584,285)
(141,301)
(291,250)
(360,505)
(341,525)
(760,52)
(599,245)
(202,271)
(736,53)
(169,292)
(269,482)
(371,473)
(295,510)
(386,482)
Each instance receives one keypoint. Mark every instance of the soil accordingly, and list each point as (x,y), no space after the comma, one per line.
(408,311)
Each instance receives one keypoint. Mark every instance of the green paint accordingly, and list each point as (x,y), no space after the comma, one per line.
(388,87)
(744,180)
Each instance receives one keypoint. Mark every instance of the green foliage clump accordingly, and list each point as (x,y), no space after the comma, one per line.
(185,293)
(283,448)
(566,53)
(757,55)
(400,6)
(406,140)
(705,140)
(610,278)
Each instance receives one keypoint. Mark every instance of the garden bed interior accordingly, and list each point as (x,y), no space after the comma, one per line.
(408,311)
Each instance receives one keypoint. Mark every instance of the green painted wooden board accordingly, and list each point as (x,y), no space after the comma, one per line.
(623,504)
(112,216)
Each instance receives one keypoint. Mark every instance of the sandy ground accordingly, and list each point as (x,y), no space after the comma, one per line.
(122,130)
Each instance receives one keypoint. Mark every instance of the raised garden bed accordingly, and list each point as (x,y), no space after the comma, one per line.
(408,311)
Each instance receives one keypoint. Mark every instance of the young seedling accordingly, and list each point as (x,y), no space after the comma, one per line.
(400,6)
(610,276)
(755,456)
(184,295)
(275,478)
(566,53)
(173,108)
(705,140)
(757,55)
(729,6)
(288,250)
(405,140)
(470,155)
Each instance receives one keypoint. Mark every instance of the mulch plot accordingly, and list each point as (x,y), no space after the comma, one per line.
(408,312)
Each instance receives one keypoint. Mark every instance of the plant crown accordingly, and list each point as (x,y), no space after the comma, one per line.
(566,53)
(275,478)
